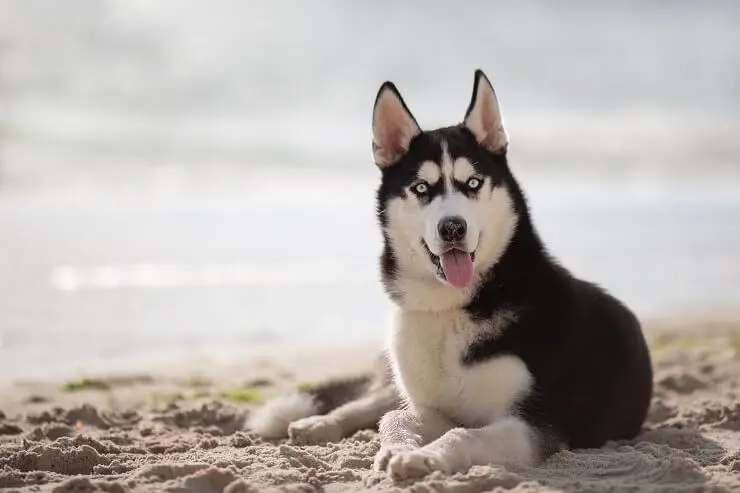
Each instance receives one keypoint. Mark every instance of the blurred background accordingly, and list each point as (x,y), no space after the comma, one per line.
(183,178)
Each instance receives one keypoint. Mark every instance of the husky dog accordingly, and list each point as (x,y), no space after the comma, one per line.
(498,355)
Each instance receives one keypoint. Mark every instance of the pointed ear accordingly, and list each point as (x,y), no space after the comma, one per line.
(483,117)
(393,126)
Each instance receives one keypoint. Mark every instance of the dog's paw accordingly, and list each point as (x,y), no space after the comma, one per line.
(387,452)
(314,430)
(415,464)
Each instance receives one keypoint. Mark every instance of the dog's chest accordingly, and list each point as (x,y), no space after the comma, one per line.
(427,349)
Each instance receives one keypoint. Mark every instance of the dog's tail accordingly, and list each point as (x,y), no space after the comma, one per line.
(272,419)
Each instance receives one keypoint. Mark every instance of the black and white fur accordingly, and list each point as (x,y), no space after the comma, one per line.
(329,411)
(521,362)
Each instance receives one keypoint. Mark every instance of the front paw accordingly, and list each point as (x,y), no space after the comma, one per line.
(416,464)
(387,452)
(314,430)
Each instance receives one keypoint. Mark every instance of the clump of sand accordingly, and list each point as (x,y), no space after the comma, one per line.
(691,442)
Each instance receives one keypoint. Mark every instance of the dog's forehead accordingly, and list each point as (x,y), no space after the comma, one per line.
(448,168)
(448,155)
(430,172)
(435,156)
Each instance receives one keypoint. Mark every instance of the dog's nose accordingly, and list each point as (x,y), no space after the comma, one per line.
(452,229)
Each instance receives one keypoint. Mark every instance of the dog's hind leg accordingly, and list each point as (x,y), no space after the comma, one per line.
(273,418)
(329,411)
(345,420)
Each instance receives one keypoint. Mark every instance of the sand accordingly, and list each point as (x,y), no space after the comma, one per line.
(135,433)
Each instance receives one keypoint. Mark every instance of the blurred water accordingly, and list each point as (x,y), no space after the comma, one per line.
(98,83)
(176,175)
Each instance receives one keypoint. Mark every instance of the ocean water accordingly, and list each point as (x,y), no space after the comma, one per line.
(182,176)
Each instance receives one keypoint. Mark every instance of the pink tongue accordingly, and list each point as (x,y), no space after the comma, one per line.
(458,268)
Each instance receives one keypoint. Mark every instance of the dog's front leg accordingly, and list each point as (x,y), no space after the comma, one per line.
(403,431)
(506,441)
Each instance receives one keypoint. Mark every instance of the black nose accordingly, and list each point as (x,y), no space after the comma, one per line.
(452,229)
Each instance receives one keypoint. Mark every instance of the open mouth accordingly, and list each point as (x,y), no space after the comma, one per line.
(454,265)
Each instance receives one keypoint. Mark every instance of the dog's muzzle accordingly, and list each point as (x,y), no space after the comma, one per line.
(454,264)
(452,229)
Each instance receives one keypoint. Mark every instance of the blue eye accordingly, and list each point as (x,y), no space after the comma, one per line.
(474,183)
(420,188)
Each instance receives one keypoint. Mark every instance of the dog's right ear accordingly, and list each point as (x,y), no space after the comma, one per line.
(393,126)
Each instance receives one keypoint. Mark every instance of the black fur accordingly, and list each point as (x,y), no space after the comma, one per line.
(584,348)
(333,393)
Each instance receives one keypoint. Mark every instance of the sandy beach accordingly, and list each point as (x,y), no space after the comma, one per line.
(184,430)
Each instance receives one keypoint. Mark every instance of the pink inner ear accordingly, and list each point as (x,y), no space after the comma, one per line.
(389,145)
(396,140)
(394,129)
(488,128)
(488,116)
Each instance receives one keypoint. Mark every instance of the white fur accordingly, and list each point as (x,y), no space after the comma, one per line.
(429,172)
(462,169)
(273,418)
(402,430)
(426,350)
(509,441)
(447,165)
(448,205)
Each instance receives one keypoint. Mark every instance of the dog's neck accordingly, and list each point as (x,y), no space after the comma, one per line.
(429,295)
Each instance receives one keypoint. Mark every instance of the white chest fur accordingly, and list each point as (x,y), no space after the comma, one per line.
(427,349)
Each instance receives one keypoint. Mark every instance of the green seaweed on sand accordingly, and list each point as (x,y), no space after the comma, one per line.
(250,394)
(107,383)
(734,339)
(307,386)
(85,384)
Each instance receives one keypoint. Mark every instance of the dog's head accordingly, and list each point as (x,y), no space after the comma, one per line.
(445,201)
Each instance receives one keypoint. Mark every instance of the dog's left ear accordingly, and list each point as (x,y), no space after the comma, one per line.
(483,117)
(394,127)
